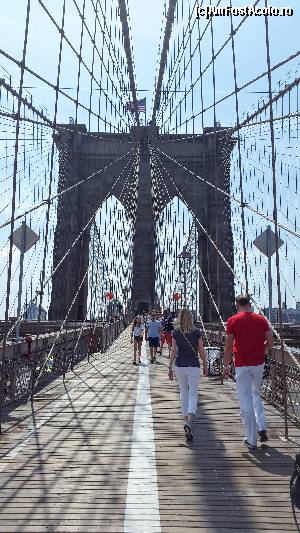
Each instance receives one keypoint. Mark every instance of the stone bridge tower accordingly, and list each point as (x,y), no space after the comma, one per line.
(82,155)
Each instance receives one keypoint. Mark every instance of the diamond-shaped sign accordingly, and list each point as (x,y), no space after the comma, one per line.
(266,242)
(30,238)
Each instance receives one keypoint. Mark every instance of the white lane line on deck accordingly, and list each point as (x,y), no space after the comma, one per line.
(142,503)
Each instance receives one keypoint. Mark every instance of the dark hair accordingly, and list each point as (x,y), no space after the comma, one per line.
(136,321)
(243,300)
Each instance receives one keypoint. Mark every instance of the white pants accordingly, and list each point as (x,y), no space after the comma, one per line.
(188,378)
(248,384)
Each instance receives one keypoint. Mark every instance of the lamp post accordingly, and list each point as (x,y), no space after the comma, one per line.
(125,297)
(184,266)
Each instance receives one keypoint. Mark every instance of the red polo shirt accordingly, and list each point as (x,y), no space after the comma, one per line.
(249,330)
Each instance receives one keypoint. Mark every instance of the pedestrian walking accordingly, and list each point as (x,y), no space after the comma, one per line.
(153,334)
(145,320)
(187,345)
(167,324)
(137,333)
(249,337)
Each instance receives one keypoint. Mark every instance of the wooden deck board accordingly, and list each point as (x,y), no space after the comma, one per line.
(215,483)
(72,474)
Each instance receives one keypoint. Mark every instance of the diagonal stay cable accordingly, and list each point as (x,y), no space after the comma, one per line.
(178,138)
(65,128)
(57,195)
(122,198)
(177,84)
(116,62)
(59,333)
(46,121)
(287,349)
(12,219)
(228,195)
(78,54)
(79,289)
(188,243)
(241,88)
(50,84)
(74,242)
(214,56)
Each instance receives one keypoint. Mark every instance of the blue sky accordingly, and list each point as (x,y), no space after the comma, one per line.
(147,21)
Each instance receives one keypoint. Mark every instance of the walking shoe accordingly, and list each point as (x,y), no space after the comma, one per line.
(134,363)
(263,436)
(188,432)
(152,360)
(249,446)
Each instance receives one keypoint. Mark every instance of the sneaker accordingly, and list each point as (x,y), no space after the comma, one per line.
(152,360)
(134,363)
(263,436)
(249,446)
(188,432)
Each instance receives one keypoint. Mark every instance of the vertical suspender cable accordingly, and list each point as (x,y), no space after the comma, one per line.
(13,207)
(275,217)
(49,191)
(215,157)
(93,64)
(79,62)
(236,90)
(204,167)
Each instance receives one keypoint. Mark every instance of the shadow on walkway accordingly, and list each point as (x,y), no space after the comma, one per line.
(214,484)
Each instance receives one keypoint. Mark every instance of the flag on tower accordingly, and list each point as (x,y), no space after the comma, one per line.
(141,106)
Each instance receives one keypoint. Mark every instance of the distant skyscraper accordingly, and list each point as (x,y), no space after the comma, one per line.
(32,313)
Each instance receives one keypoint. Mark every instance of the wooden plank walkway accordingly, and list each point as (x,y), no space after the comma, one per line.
(70,474)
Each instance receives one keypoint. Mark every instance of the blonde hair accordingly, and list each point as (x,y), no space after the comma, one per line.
(185,321)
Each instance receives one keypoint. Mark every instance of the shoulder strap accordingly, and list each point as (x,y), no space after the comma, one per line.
(187,340)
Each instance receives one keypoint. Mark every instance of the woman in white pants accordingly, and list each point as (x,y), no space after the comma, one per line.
(137,334)
(187,345)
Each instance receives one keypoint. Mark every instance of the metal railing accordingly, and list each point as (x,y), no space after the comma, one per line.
(28,361)
(278,376)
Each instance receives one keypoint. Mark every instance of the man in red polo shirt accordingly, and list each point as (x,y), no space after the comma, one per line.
(249,337)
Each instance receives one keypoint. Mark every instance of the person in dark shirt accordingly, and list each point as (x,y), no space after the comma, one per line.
(167,328)
(187,344)
(249,337)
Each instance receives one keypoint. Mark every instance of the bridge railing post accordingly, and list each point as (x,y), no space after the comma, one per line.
(27,363)
(66,354)
(14,371)
(100,340)
(106,333)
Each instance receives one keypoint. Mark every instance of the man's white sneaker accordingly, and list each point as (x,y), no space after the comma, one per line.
(249,446)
